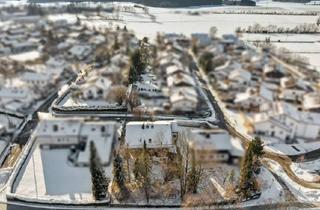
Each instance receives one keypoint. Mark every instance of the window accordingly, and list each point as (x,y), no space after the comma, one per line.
(103,129)
(150,140)
(55,128)
(100,92)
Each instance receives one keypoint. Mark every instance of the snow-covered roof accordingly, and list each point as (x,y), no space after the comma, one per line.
(172,69)
(265,93)
(34,76)
(155,134)
(240,73)
(80,50)
(290,110)
(180,79)
(16,93)
(58,127)
(183,93)
(216,139)
(100,82)
(311,100)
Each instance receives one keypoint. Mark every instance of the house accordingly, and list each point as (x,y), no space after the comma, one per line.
(202,39)
(76,134)
(23,47)
(287,82)
(311,102)
(270,126)
(257,99)
(299,124)
(39,80)
(14,94)
(229,39)
(175,69)
(213,145)
(274,73)
(183,99)
(156,135)
(180,79)
(79,52)
(240,77)
(148,89)
(95,88)
(292,95)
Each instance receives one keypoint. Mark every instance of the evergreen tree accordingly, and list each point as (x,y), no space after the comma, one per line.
(99,181)
(137,66)
(257,147)
(246,174)
(116,45)
(119,177)
(142,171)
(251,158)
(205,61)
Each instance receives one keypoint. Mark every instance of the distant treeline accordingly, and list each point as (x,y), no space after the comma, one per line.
(153,3)
(295,1)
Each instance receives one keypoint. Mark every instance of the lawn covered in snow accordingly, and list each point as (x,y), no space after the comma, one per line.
(48,176)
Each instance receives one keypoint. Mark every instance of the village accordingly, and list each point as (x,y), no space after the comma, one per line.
(95,116)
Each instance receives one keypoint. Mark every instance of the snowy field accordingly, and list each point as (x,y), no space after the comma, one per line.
(46,175)
(182,21)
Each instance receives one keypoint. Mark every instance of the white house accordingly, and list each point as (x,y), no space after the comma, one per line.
(79,51)
(180,79)
(36,79)
(175,69)
(183,99)
(299,124)
(292,95)
(148,89)
(311,102)
(96,87)
(270,126)
(240,77)
(211,146)
(258,99)
(202,39)
(157,134)
(54,133)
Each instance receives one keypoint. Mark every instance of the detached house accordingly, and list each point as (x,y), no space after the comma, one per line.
(184,99)
(311,102)
(285,122)
(52,133)
(254,99)
(95,88)
(156,135)
(180,79)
